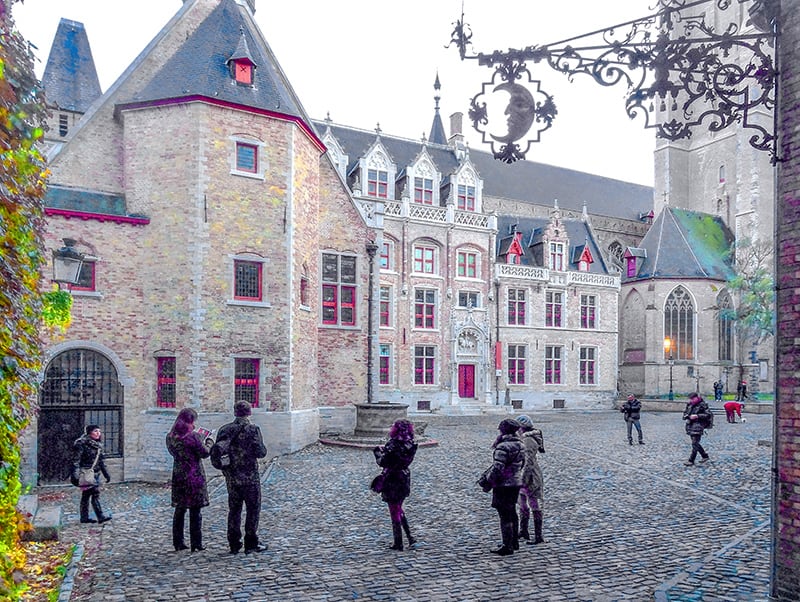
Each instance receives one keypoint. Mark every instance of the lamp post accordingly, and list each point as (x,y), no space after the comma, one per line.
(372,248)
(668,350)
(67,263)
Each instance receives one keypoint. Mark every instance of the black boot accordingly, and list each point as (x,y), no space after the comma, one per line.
(404,523)
(507,532)
(537,527)
(524,521)
(397,531)
(98,510)
(515,534)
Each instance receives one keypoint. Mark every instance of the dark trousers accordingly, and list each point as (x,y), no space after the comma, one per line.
(631,423)
(249,495)
(697,448)
(195,527)
(91,494)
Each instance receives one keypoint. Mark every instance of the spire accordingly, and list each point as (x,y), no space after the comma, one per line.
(70,78)
(438,135)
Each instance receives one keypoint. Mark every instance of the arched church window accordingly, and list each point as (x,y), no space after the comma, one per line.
(725,326)
(679,323)
(615,253)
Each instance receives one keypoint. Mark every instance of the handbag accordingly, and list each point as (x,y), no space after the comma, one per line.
(377,483)
(86,476)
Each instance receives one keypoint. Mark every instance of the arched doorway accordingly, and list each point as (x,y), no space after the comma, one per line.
(80,387)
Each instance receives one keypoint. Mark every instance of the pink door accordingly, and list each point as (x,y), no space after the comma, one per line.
(466,380)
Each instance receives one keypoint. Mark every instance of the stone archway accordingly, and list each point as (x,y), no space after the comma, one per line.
(81,386)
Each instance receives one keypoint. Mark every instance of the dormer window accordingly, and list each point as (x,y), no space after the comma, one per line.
(466,197)
(377,183)
(423,191)
(584,258)
(557,256)
(243,72)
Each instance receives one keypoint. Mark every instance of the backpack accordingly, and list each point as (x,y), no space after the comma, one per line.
(220,452)
(710,420)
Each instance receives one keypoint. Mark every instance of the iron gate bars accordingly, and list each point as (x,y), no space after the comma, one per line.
(681,73)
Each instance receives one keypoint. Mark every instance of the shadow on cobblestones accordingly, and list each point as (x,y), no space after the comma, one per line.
(621,523)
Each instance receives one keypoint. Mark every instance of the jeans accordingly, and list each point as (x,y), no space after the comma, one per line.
(249,495)
(631,423)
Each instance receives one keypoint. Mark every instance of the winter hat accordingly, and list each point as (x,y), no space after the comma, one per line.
(508,426)
(90,428)
(525,421)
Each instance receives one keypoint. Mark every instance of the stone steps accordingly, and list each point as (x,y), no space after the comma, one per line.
(44,520)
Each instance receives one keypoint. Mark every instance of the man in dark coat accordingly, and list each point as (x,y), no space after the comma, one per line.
(697,416)
(87,452)
(242,478)
(632,411)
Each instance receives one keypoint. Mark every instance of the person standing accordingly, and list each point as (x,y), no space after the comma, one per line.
(504,479)
(395,457)
(189,491)
(741,391)
(531,493)
(732,409)
(697,415)
(87,452)
(245,448)
(718,387)
(632,411)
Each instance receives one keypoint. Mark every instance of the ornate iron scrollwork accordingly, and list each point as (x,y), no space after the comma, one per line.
(681,73)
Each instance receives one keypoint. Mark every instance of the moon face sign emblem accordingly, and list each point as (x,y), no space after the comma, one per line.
(521,111)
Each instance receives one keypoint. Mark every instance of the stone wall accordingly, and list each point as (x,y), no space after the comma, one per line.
(786,522)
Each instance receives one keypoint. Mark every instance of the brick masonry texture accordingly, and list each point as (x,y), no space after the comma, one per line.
(786,534)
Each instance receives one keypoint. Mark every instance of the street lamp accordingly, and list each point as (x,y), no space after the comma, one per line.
(372,249)
(67,263)
(668,350)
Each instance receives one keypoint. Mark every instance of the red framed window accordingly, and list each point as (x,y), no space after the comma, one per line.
(553,306)
(338,289)
(516,306)
(165,382)
(557,256)
(424,308)
(587,367)
(424,364)
(86,277)
(425,260)
(552,365)
(243,72)
(466,197)
(386,306)
(246,157)
(423,191)
(385,257)
(245,380)
(377,183)
(516,364)
(385,365)
(247,284)
(588,311)
(467,264)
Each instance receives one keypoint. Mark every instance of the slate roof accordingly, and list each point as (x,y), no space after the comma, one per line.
(531,228)
(527,181)
(199,67)
(70,78)
(686,244)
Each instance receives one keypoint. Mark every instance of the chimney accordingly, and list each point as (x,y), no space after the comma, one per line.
(456,123)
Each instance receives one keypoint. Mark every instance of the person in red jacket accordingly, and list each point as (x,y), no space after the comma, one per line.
(733,409)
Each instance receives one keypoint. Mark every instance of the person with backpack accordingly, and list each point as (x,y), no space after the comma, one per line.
(189,492)
(698,418)
(632,411)
(238,448)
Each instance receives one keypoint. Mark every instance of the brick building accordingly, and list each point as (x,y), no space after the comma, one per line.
(226,257)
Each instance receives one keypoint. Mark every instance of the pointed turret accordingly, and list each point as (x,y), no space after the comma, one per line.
(438,135)
(70,78)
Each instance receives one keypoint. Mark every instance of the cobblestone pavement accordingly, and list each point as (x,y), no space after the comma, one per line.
(621,523)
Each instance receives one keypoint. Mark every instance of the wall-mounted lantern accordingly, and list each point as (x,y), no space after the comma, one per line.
(67,263)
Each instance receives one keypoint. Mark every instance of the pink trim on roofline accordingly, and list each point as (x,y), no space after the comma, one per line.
(230,105)
(102,217)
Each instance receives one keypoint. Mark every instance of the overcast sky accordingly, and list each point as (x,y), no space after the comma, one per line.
(366,62)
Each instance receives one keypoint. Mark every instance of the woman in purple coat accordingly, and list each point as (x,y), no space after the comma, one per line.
(395,457)
(188,479)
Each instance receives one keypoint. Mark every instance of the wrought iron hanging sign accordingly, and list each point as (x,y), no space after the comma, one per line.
(681,74)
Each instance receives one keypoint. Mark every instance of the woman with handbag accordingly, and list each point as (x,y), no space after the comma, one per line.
(87,464)
(189,491)
(394,483)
